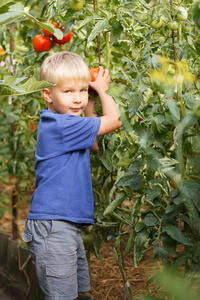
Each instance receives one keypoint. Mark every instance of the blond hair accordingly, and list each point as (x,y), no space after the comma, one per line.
(64,66)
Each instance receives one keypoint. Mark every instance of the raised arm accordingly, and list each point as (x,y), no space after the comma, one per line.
(89,112)
(110,119)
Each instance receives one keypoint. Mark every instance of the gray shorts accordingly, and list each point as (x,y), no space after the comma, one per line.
(58,251)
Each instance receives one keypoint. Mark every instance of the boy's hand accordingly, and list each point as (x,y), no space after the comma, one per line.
(102,81)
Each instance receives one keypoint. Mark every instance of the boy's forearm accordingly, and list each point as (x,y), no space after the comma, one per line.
(89,112)
(110,118)
(109,106)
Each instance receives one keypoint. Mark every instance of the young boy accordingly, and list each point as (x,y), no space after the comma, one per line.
(63,198)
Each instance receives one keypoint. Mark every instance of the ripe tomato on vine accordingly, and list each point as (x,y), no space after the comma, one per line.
(41,43)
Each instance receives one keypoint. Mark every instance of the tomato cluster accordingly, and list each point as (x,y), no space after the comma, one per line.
(44,42)
(158,20)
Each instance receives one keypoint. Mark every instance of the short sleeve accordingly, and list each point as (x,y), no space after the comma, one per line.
(79,133)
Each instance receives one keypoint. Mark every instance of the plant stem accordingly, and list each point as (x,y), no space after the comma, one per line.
(107,37)
(95,5)
(123,273)
(179,33)
(15,230)
(173,37)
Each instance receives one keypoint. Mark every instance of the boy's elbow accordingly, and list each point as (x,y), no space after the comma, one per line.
(95,148)
(118,123)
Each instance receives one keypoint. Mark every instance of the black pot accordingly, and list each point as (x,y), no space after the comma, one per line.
(25,265)
(12,262)
(3,248)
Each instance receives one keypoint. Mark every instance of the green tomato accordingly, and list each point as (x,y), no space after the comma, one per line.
(173,25)
(157,23)
(76,5)
(160,38)
(181,13)
(196,109)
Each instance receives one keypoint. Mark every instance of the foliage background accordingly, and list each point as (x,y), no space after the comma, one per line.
(146,175)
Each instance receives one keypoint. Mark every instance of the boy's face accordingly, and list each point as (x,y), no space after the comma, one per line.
(67,97)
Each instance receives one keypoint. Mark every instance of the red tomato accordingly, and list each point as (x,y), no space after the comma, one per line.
(41,43)
(93,73)
(48,33)
(32,126)
(65,39)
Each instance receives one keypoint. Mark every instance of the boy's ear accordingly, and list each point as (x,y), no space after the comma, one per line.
(47,95)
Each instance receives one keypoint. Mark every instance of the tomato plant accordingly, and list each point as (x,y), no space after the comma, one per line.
(41,43)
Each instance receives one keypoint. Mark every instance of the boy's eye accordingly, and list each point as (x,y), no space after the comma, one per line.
(68,91)
(84,90)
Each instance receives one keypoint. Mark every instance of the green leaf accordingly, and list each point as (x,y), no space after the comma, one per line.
(115,203)
(161,252)
(100,25)
(116,31)
(106,159)
(125,120)
(86,20)
(196,14)
(173,107)
(181,259)
(136,208)
(177,234)
(185,124)
(116,90)
(192,213)
(55,31)
(97,247)
(119,238)
(130,179)
(30,86)
(10,17)
(141,245)
(136,99)
(130,243)
(121,217)
(6,2)
(7,108)
(189,99)
(152,193)
(139,226)
(150,220)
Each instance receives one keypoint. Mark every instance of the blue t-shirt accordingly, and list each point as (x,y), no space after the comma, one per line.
(63,175)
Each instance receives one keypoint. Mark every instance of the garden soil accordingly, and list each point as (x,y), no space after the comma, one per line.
(106,279)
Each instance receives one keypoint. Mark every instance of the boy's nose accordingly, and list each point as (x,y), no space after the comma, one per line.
(77,98)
